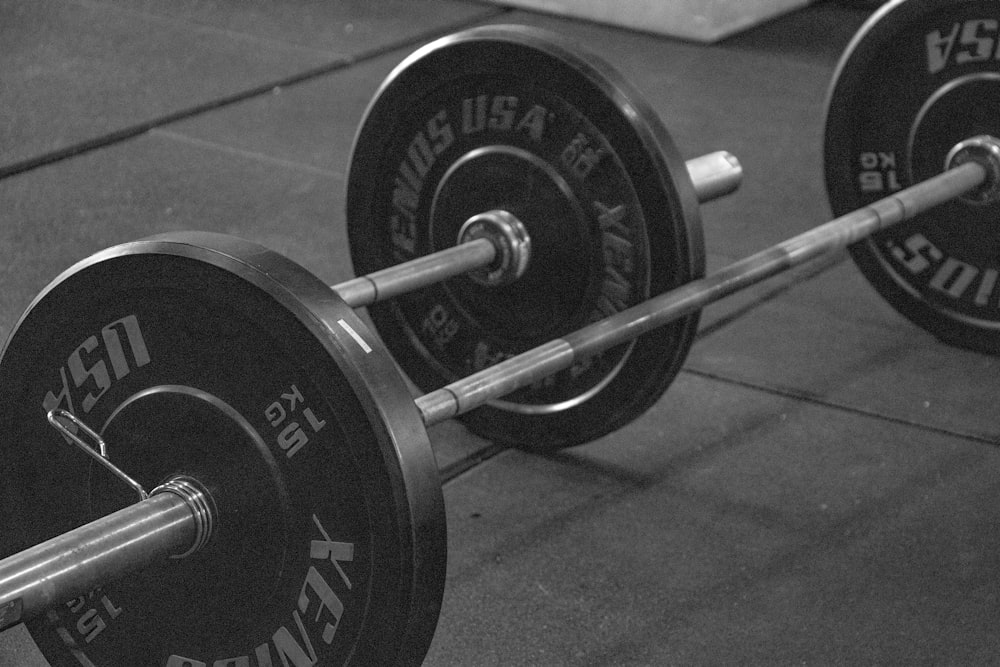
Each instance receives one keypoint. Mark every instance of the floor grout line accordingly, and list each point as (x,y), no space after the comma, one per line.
(124,134)
(231,150)
(207,28)
(457,468)
(813,399)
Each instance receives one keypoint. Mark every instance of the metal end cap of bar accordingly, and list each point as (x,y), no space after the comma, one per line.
(984,150)
(715,175)
(511,240)
(202,507)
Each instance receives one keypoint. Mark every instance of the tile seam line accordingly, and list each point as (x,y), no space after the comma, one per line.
(462,466)
(256,156)
(138,129)
(456,469)
(814,400)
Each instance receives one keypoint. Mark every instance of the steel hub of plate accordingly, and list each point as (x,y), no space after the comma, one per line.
(205,356)
(920,77)
(946,120)
(548,297)
(575,154)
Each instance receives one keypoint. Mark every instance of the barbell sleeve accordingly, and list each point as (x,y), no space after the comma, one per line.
(713,175)
(174,521)
(524,369)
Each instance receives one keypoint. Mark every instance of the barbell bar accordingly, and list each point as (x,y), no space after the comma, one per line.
(713,175)
(972,165)
(422,159)
(174,521)
(178,516)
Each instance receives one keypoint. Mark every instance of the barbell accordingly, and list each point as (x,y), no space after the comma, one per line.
(295,514)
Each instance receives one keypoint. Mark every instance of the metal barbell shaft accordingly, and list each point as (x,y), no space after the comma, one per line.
(74,563)
(520,371)
(714,175)
(169,523)
(416,273)
(177,519)
(166,524)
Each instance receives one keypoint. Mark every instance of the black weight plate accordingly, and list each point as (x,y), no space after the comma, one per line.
(506,117)
(919,77)
(204,355)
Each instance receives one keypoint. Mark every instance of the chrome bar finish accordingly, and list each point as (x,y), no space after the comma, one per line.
(76,562)
(496,381)
(713,175)
(420,272)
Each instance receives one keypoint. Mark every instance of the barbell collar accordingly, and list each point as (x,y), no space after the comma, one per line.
(985,150)
(524,369)
(713,175)
(173,522)
(509,238)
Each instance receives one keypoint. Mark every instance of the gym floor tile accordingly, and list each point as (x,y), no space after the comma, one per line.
(312,123)
(81,72)
(152,185)
(348,28)
(782,532)
(833,340)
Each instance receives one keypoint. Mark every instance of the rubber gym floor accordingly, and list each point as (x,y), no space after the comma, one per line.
(820,484)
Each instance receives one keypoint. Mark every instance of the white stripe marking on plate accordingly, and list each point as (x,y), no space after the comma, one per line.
(354,334)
